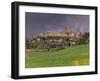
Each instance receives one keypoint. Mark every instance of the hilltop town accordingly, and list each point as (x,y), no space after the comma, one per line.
(57,40)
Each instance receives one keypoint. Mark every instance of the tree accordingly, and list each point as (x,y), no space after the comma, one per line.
(84,38)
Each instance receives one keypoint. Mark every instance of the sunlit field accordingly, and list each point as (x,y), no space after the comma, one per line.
(71,56)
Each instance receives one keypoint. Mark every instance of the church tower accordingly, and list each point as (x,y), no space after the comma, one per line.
(65,31)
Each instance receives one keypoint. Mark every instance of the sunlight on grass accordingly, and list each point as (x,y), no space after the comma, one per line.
(80,62)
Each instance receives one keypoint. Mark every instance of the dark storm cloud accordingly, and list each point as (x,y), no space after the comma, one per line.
(42,22)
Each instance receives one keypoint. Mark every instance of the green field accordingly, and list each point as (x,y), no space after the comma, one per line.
(72,56)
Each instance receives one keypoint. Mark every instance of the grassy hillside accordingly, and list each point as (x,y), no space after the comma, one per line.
(72,56)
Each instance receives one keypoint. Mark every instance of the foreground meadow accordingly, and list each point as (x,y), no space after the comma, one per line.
(72,56)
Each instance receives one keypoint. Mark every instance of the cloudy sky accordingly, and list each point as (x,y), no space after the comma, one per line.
(43,22)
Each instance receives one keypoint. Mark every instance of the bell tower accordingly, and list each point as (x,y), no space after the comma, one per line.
(65,31)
